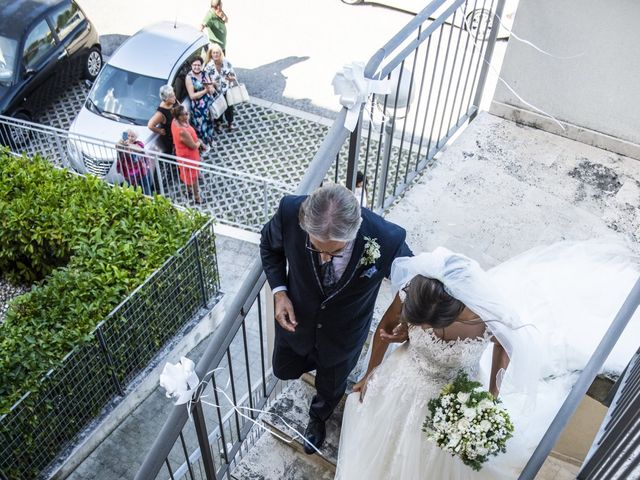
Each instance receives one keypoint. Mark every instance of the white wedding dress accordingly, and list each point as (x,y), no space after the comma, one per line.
(569,291)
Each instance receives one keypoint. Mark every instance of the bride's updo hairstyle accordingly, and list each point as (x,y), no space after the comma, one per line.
(427,302)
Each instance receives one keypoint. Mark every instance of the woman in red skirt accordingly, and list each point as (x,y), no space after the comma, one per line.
(188,148)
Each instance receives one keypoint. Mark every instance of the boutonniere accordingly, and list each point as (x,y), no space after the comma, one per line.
(371,252)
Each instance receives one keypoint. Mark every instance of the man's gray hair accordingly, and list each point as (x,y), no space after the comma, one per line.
(166,91)
(331,213)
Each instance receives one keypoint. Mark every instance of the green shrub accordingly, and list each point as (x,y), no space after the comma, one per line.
(85,246)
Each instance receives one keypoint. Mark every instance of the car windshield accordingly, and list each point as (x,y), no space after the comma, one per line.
(125,96)
(8,49)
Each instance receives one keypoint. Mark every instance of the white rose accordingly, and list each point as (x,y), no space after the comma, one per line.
(485,425)
(463,397)
(463,425)
(482,451)
(469,412)
(485,404)
(454,439)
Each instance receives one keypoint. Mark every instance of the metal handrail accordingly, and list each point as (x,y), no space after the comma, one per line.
(581,386)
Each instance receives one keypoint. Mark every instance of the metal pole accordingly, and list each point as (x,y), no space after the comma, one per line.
(384,170)
(109,359)
(265,200)
(580,388)
(270,308)
(203,441)
(488,53)
(203,289)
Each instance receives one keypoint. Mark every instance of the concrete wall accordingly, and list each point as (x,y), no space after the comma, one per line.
(597,93)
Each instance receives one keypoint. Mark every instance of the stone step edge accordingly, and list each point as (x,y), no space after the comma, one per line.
(298,447)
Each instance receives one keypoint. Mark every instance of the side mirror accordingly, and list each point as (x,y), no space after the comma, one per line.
(88,83)
(29,72)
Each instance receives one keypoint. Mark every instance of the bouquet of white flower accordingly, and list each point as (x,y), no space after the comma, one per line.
(469,422)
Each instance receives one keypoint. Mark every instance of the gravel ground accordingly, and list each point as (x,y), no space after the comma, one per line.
(7,292)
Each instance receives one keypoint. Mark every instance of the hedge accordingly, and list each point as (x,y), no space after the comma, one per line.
(84,245)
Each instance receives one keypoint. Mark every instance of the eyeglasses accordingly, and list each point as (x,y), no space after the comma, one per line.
(332,255)
(337,254)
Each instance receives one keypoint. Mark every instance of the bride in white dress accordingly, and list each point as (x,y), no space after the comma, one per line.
(454,314)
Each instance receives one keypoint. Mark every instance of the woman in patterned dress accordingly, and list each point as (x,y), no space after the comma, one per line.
(221,72)
(201,91)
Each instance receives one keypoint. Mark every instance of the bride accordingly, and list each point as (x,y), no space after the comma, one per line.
(454,312)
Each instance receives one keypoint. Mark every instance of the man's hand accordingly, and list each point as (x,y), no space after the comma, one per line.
(284,312)
(399,334)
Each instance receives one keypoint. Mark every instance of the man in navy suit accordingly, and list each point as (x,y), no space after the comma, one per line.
(337,255)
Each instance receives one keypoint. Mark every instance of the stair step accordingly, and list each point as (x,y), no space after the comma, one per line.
(293,405)
(271,459)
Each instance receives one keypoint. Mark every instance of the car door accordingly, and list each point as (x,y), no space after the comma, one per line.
(70,26)
(42,59)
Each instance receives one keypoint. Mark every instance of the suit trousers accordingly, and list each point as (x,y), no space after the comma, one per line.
(331,382)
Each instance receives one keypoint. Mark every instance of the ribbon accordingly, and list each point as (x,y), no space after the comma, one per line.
(354,89)
(181,382)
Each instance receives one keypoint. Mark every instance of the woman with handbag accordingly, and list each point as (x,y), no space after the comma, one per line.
(188,148)
(221,72)
(201,91)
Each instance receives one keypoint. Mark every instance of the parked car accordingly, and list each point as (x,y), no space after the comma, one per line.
(125,94)
(45,45)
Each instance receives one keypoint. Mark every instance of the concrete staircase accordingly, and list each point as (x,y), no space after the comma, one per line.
(273,459)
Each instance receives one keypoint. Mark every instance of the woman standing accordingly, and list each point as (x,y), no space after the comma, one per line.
(187,147)
(221,72)
(201,92)
(160,122)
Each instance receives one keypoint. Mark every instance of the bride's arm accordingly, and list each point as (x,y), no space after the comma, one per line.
(388,322)
(499,361)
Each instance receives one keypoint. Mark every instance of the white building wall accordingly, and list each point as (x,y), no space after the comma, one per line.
(596,93)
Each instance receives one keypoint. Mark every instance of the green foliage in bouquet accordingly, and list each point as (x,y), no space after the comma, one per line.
(468,422)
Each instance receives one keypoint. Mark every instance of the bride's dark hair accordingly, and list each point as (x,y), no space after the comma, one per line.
(427,302)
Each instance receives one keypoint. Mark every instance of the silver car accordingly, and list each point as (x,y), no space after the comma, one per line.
(125,94)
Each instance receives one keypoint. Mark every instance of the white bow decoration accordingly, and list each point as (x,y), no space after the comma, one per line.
(180,380)
(353,88)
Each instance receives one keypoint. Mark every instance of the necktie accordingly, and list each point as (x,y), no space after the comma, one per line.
(328,277)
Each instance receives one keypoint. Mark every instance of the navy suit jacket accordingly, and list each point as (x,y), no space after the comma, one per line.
(335,326)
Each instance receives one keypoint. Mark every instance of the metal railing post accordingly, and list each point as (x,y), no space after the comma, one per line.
(488,53)
(203,289)
(354,154)
(203,441)
(265,200)
(109,359)
(270,319)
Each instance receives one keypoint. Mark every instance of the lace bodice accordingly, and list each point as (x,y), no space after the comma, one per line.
(440,360)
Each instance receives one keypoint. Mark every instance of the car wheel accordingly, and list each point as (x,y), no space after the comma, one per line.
(16,136)
(93,64)
(477,21)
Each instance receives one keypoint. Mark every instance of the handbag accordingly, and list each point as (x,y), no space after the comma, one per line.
(237,94)
(218,107)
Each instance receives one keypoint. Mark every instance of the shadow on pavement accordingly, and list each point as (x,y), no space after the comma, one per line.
(267,82)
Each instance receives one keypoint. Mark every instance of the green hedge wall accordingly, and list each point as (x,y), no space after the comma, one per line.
(85,246)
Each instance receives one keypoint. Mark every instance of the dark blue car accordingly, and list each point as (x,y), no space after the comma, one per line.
(45,45)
